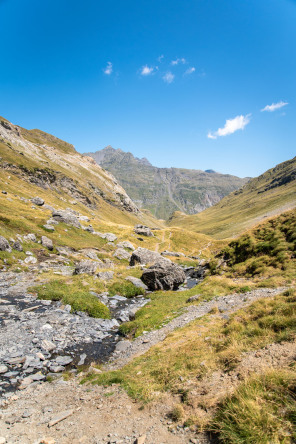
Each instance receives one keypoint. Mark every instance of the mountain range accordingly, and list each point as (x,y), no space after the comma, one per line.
(166,190)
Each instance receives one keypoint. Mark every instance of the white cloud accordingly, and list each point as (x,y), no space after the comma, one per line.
(177,61)
(274,106)
(109,68)
(160,58)
(146,70)
(189,71)
(168,77)
(231,126)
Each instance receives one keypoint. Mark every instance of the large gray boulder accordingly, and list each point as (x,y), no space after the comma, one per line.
(88,267)
(143,230)
(143,256)
(66,217)
(163,276)
(4,245)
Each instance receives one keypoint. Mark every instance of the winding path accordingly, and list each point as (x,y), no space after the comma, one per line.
(128,350)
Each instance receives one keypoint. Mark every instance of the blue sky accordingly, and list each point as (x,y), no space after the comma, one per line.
(181,82)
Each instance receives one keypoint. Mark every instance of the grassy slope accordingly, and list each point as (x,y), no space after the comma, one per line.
(190,355)
(269,194)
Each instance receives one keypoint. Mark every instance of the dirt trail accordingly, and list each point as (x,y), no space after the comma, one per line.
(99,415)
(128,350)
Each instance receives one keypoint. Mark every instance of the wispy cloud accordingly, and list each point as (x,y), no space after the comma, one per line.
(168,77)
(109,68)
(146,70)
(189,71)
(160,58)
(274,106)
(231,126)
(177,61)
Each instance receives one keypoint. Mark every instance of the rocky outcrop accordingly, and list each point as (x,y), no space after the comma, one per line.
(142,230)
(121,253)
(144,256)
(66,217)
(163,276)
(88,267)
(166,190)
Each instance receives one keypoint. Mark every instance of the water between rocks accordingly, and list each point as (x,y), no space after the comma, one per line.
(41,338)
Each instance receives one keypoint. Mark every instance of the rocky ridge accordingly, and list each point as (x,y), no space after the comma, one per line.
(165,190)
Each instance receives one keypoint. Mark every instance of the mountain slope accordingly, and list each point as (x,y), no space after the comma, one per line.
(267,195)
(165,190)
(36,163)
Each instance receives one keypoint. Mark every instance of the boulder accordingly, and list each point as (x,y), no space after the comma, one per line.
(17,246)
(90,229)
(136,282)
(46,242)
(88,267)
(143,230)
(30,260)
(4,244)
(120,253)
(30,237)
(110,237)
(105,275)
(37,201)
(144,256)
(48,227)
(66,217)
(126,244)
(163,276)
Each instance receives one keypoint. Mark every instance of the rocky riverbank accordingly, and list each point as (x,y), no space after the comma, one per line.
(41,338)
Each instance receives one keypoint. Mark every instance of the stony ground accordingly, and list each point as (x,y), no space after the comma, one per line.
(96,416)
(65,412)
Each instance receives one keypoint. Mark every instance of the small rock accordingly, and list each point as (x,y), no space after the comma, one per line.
(141,439)
(30,237)
(30,260)
(48,227)
(3,369)
(48,345)
(4,245)
(37,201)
(47,441)
(17,246)
(46,242)
(121,253)
(105,275)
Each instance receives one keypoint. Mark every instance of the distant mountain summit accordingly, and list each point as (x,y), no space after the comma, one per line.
(165,190)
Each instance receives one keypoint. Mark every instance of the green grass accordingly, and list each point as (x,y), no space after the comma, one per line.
(73,294)
(204,346)
(125,288)
(262,410)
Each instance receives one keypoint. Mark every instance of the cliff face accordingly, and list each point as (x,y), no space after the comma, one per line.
(165,190)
